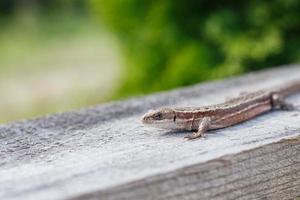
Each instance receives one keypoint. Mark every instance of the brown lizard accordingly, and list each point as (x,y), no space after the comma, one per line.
(231,112)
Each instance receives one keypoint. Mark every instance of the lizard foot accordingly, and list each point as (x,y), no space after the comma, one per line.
(203,126)
(194,135)
(279,103)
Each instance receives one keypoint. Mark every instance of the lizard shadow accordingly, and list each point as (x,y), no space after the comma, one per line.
(179,134)
(183,134)
(174,133)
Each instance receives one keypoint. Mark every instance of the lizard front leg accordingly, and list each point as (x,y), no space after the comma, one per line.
(279,103)
(203,127)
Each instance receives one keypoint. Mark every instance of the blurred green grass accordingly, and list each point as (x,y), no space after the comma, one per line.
(54,64)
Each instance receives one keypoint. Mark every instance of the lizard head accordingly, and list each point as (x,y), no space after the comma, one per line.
(161,118)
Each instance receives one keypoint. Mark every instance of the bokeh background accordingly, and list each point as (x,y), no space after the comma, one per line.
(59,55)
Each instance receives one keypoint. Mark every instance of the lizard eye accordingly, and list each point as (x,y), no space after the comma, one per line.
(158,116)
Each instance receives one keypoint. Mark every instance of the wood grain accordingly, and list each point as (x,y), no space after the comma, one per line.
(271,172)
(104,152)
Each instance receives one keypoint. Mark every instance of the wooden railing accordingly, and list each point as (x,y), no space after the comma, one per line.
(104,152)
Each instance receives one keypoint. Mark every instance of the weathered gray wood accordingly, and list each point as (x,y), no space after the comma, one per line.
(104,152)
(271,171)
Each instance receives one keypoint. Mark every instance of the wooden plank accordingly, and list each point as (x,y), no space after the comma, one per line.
(105,152)
(271,171)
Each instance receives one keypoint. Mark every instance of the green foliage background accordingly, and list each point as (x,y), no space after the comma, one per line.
(174,43)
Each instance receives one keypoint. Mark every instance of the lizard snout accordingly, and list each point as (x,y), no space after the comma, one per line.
(146,118)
